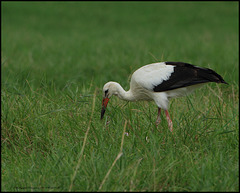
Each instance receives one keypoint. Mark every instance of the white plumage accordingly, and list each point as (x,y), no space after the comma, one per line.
(154,74)
(160,82)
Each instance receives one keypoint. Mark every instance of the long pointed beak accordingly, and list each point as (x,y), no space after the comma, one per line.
(104,106)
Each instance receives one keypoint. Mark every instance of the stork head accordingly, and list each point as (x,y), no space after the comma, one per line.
(109,89)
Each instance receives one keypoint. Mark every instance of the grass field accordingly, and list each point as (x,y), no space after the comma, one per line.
(55,59)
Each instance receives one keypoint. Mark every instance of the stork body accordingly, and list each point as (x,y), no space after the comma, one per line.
(160,82)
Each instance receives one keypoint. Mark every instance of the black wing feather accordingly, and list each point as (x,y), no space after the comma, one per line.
(187,75)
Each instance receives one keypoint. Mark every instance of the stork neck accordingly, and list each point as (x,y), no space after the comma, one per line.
(125,95)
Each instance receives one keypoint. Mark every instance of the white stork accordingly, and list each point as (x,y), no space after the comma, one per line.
(160,82)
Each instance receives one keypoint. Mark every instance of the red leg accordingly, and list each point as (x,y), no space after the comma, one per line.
(158,121)
(170,124)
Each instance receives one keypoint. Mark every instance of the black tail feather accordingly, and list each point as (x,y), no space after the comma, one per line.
(187,75)
(210,75)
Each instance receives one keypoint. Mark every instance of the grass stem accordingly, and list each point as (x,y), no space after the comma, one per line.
(84,142)
(118,156)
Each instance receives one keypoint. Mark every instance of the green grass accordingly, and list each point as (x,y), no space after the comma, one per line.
(56,57)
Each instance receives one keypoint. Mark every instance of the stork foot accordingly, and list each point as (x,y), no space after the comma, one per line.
(158,121)
(170,124)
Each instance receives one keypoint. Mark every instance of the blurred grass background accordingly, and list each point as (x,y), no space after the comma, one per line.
(108,40)
(56,55)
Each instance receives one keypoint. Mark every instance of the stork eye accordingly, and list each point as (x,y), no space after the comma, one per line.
(106,91)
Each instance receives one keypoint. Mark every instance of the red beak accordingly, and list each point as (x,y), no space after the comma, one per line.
(104,106)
